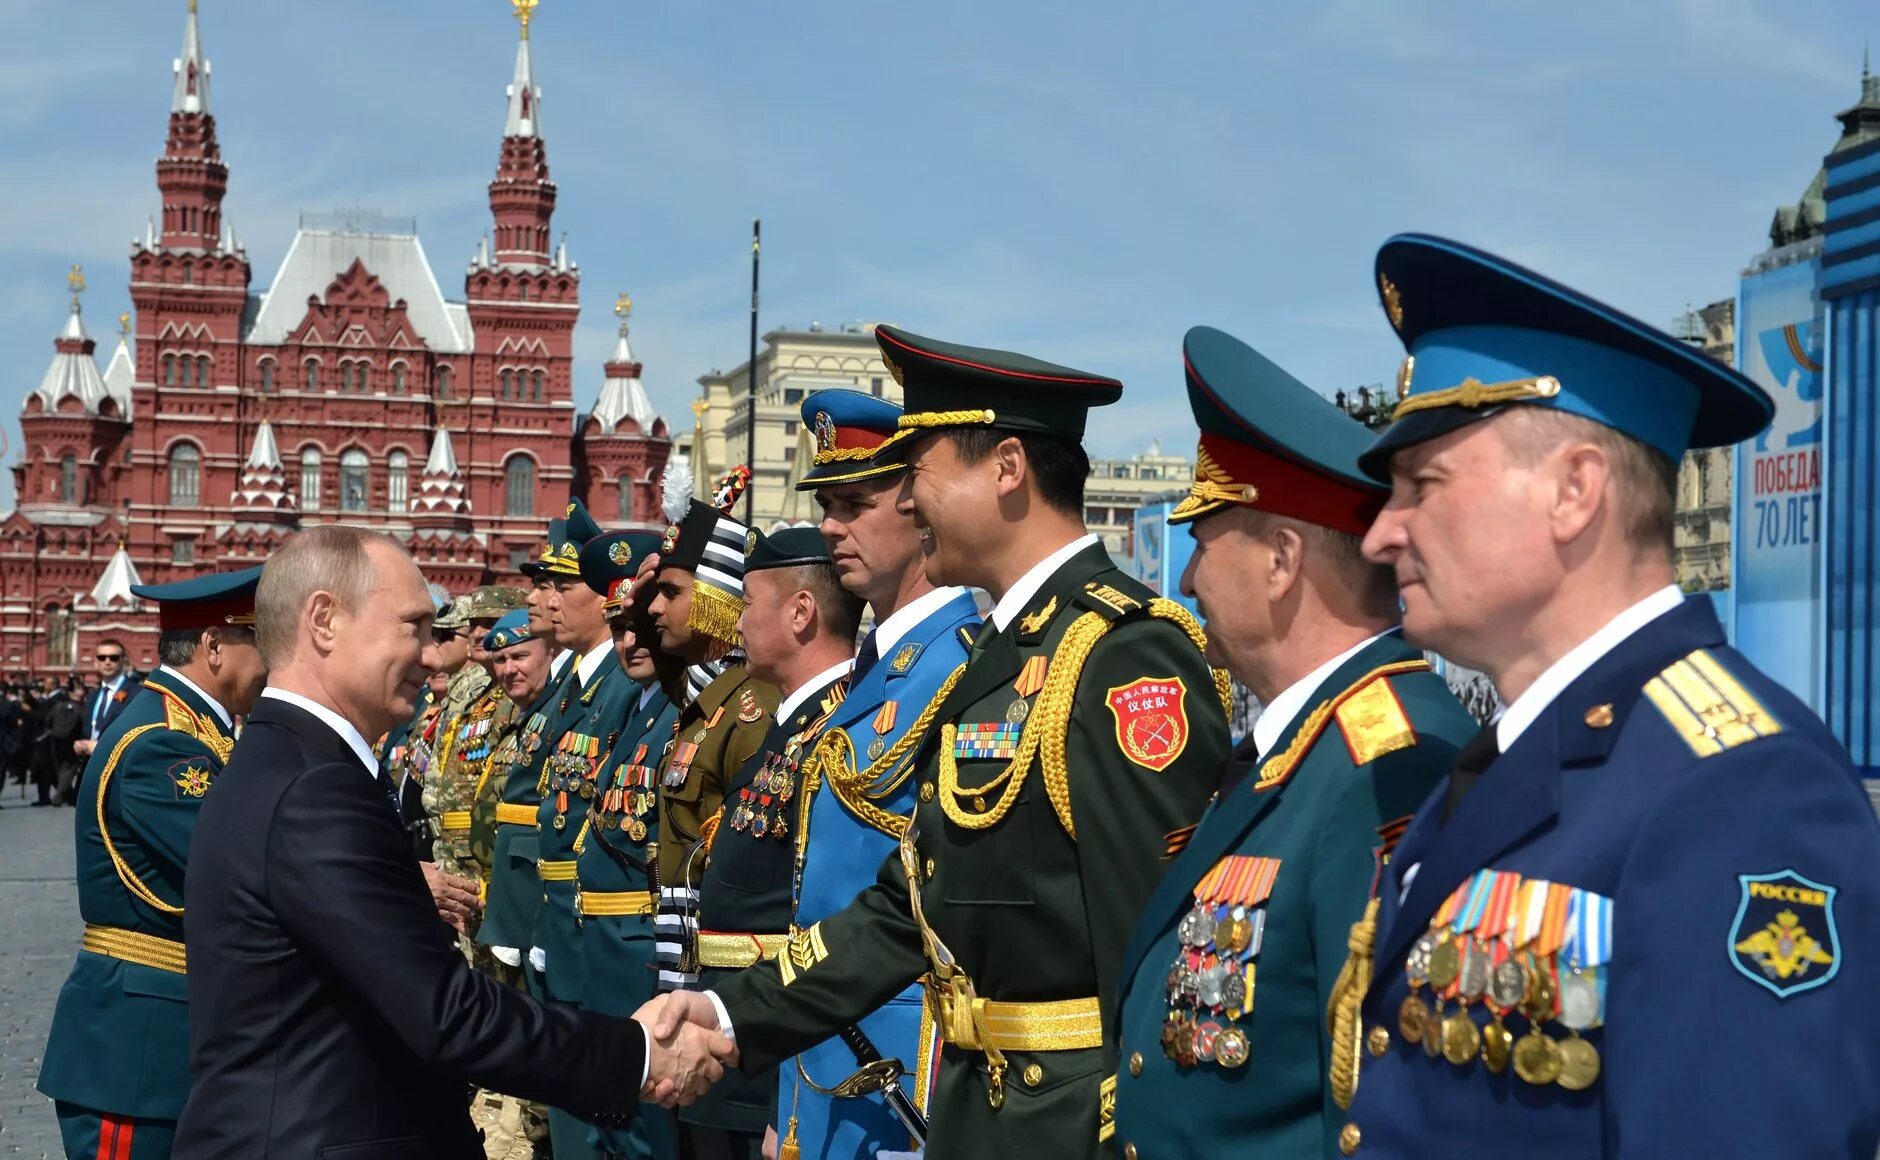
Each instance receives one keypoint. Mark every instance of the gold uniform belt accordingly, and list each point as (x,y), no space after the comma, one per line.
(716,949)
(627,902)
(131,946)
(516,815)
(455,821)
(555,871)
(1063,1025)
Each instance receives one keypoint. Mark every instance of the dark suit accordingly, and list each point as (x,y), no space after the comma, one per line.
(329,1008)
(130,686)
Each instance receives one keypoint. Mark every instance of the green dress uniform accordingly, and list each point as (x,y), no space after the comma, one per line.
(1237,1020)
(1084,730)
(117,1058)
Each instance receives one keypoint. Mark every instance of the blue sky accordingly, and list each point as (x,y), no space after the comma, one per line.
(1079,181)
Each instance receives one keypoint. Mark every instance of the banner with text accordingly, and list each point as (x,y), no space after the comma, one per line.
(1776,529)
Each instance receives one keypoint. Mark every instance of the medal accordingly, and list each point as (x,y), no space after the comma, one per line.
(1507,984)
(1433,1033)
(1579,1000)
(1497,1046)
(1579,1064)
(1185,1043)
(876,748)
(1017,711)
(1445,963)
(1171,1033)
(1231,1047)
(1537,1058)
(1173,987)
(1416,964)
(1213,980)
(1234,933)
(1413,1016)
(1234,994)
(1205,1036)
(1461,1040)
(1474,977)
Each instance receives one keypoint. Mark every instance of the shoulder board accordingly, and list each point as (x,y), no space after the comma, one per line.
(1707,707)
(1109,600)
(1281,766)
(179,718)
(968,634)
(1373,721)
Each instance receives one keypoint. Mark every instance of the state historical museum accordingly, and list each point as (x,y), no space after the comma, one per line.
(349,390)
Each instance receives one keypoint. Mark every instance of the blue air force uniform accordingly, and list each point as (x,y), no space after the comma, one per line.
(1225,1019)
(863,796)
(1642,917)
(117,1060)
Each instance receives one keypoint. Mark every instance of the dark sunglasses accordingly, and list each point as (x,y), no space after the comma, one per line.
(110,656)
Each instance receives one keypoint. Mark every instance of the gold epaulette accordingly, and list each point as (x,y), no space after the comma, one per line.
(1708,707)
(1368,714)
(180,718)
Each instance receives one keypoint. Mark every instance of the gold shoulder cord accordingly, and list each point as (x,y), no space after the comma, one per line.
(834,758)
(1341,1016)
(131,882)
(1164,609)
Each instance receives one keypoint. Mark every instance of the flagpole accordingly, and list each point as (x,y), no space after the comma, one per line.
(750,428)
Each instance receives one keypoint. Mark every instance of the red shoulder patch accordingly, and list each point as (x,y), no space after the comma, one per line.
(1151,720)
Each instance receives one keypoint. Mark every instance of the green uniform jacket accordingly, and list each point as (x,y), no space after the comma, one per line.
(120,1032)
(502,741)
(1030,913)
(1324,807)
(617,970)
(718,732)
(466,744)
(596,713)
(515,891)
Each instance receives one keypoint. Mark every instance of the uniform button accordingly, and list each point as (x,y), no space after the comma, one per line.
(1135,1063)
(1348,1139)
(1034,1075)
(1129,1152)
(926,791)
(1378,1040)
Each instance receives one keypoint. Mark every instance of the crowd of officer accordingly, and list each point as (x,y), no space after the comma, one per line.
(936,814)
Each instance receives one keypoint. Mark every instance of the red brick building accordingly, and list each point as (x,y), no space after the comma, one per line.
(350,389)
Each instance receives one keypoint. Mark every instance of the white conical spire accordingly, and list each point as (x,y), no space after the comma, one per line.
(114,585)
(264,478)
(120,375)
(525,99)
(72,371)
(192,71)
(441,491)
(623,396)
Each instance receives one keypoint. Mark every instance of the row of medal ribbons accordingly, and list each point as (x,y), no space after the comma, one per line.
(1210,987)
(473,739)
(1521,948)
(628,797)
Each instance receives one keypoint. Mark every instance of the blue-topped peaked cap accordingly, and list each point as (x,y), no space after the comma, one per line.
(785,548)
(848,427)
(1483,333)
(557,532)
(610,560)
(1270,442)
(945,384)
(510,628)
(204,601)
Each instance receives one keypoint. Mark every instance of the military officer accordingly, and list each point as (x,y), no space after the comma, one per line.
(697,597)
(117,1060)
(1235,1029)
(515,892)
(613,878)
(428,738)
(857,791)
(1084,730)
(465,741)
(1642,916)
(798,629)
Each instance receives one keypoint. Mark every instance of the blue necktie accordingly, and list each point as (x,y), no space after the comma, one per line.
(97,709)
(866,658)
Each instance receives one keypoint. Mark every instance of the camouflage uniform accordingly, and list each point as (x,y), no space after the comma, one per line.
(463,770)
(443,730)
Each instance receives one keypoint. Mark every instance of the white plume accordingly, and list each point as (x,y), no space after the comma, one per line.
(675,488)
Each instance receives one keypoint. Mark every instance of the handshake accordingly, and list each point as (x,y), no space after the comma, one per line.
(687,1049)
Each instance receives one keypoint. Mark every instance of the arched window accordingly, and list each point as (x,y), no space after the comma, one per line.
(185,475)
(309,479)
(61,638)
(519,486)
(352,481)
(398,379)
(540,382)
(626,498)
(202,371)
(169,370)
(267,374)
(68,478)
(397,481)
(443,382)
(345,378)
(365,378)
(509,383)
(313,375)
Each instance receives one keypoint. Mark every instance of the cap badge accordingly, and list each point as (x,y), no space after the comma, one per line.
(1403,376)
(894,369)
(672,538)
(1393,301)
(750,544)
(571,507)
(620,553)
(825,432)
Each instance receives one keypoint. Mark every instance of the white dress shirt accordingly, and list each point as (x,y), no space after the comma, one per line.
(591,660)
(228,722)
(815,684)
(904,619)
(1280,711)
(1020,593)
(1555,678)
(338,724)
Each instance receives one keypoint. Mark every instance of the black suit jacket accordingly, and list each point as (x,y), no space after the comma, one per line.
(132,685)
(331,1014)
